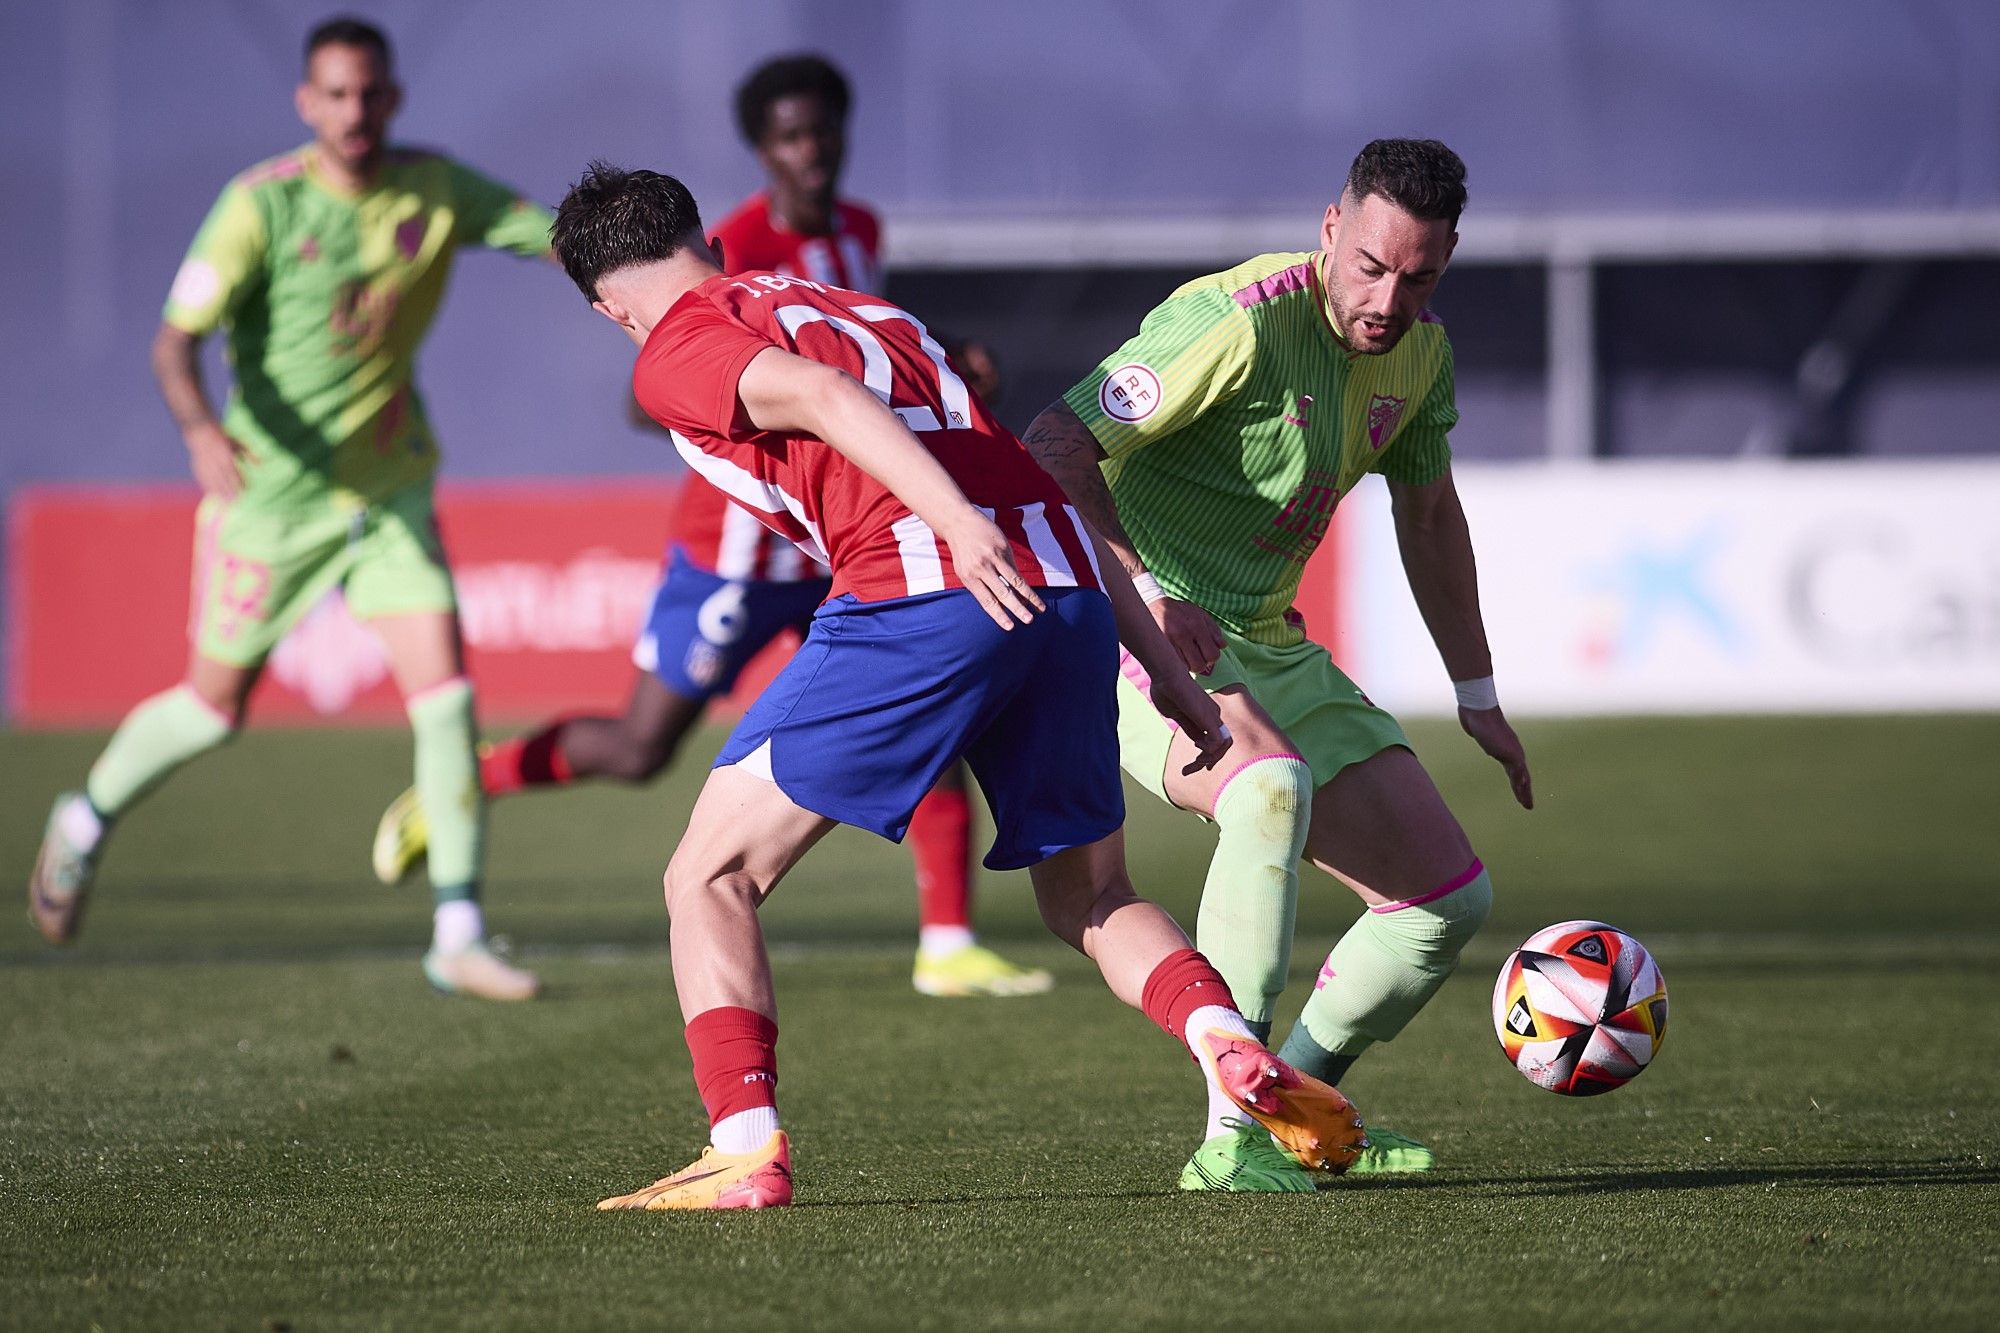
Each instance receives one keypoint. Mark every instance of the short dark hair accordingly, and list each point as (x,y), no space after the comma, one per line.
(1420,176)
(788,76)
(346,30)
(613,218)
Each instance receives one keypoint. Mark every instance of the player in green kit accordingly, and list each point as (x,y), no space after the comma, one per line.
(1210,451)
(324,266)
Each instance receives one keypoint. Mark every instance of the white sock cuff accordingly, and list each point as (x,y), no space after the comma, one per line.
(939,941)
(746,1131)
(456,925)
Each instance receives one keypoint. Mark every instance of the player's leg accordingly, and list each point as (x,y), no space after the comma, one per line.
(156,738)
(950,959)
(631,747)
(398,584)
(742,836)
(1048,763)
(428,666)
(1259,798)
(1381,827)
(1087,900)
(253,574)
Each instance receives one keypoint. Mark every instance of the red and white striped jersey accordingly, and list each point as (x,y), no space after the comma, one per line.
(715,533)
(686,379)
(851,257)
(727,539)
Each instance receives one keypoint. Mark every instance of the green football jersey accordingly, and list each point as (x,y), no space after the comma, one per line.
(1236,418)
(325,295)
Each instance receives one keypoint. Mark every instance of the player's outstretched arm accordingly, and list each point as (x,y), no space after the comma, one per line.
(781,391)
(213,456)
(1436,546)
(1067,451)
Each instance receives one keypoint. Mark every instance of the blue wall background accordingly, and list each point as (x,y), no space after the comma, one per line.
(120,119)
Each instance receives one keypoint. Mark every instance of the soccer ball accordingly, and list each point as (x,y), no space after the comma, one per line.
(1580,1008)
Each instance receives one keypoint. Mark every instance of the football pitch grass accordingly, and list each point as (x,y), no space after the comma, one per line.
(235,1105)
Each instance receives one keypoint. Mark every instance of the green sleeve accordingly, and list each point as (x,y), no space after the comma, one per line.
(1422,453)
(1194,350)
(225,261)
(493,215)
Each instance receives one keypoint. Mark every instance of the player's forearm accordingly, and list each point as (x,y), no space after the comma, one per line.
(1436,546)
(177,367)
(1137,629)
(1067,451)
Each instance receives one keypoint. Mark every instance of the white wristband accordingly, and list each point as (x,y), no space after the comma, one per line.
(1148,588)
(1478,695)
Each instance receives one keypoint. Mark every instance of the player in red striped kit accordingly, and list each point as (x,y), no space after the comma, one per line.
(968,620)
(729,586)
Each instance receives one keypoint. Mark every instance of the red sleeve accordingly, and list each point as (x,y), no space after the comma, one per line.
(687,373)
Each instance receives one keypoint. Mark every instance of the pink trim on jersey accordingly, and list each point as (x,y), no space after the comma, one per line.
(209,708)
(1296,278)
(1425,316)
(1237,771)
(432,691)
(1464,878)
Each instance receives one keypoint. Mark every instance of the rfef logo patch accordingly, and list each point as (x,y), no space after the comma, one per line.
(1130,393)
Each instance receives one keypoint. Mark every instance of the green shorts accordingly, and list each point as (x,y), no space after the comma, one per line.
(257,570)
(1325,714)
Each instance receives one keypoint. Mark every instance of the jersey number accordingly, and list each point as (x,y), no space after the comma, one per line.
(876,372)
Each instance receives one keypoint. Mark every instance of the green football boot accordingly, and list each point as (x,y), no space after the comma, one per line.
(1245,1161)
(1389,1153)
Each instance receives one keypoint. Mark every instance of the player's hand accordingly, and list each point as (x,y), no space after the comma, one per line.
(217,461)
(985,565)
(1180,700)
(1489,727)
(1192,632)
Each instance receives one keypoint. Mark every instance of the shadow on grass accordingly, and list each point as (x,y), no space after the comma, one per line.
(1691,1178)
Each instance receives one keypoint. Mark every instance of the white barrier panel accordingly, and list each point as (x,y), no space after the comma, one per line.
(1703,587)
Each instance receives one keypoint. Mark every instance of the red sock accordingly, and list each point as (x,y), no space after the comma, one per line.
(1182,983)
(735,1060)
(534,760)
(941,843)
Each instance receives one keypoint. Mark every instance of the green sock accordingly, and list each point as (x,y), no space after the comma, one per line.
(448,786)
(1385,968)
(1251,897)
(155,738)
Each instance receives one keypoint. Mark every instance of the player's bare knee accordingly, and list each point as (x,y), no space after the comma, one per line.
(1071,909)
(694,888)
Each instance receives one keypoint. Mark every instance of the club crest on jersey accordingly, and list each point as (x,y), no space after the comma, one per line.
(1131,393)
(410,235)
(1384,415)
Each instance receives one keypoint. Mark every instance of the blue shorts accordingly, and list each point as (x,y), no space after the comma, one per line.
(703,629)
(882,697)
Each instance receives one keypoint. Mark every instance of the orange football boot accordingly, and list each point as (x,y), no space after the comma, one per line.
(761,1179)
(1310,1120)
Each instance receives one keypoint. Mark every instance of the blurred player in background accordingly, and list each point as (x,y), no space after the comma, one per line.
(325,266)
(730,585)
(968,621)
(1210,451)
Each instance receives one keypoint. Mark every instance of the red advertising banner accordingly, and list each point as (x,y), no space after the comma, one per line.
(553,580)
